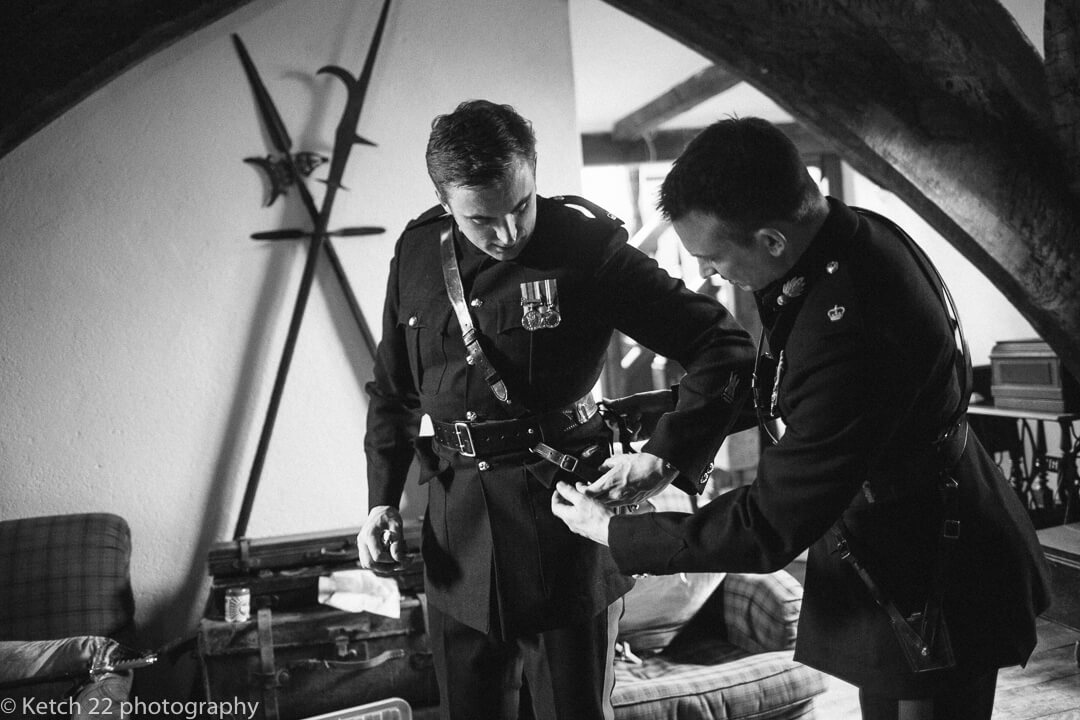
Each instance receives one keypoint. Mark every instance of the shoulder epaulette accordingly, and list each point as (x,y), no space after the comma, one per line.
(588,206)
(431,215)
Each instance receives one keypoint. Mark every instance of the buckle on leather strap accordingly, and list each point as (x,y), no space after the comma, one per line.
(464,439)
(566,462)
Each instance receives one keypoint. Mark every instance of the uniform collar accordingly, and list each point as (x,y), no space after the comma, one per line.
(821,257)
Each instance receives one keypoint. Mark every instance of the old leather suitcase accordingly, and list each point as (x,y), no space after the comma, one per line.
(282,572)
(296,658)
(298,664)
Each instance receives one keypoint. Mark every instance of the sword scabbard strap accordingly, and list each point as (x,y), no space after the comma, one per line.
(469,335)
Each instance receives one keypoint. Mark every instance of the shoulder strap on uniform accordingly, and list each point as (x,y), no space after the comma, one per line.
(964,373)
(474,354)
(576,201)
(429,216)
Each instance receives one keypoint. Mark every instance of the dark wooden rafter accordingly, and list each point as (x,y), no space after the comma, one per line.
(688,94)
(944,103)
(57,52)
(1062,43)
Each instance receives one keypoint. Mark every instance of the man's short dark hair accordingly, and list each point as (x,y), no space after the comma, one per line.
(744,171)
(475,145)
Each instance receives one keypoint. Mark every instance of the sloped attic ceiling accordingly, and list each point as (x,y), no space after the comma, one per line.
(943,102)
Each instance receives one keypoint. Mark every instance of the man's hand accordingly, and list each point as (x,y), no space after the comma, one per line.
(631,479)
(582,514)
(381,540)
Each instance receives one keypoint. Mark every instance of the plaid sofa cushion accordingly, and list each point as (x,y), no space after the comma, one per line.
(761,612)
(66,575)
(733,660)
(714,680)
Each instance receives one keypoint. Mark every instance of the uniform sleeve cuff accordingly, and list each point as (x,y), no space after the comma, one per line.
(639,545)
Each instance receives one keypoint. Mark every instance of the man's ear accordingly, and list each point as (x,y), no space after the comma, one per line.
(774,240)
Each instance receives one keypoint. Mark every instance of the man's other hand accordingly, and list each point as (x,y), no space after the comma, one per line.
(381,540)
(582,514)
(631,479)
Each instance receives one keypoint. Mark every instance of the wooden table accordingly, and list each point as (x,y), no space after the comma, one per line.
(1022,435)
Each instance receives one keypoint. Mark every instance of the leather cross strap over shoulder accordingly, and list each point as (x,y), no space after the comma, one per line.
(474,354)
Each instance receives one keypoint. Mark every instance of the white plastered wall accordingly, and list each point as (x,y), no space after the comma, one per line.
(141,328)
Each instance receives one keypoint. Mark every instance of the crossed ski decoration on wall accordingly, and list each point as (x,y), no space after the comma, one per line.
(288,169)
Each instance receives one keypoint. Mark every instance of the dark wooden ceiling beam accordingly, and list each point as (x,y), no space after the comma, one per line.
(57,52)
(944,103)
(688,94)
(1062,41)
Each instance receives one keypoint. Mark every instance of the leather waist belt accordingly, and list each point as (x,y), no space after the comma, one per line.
(496,437)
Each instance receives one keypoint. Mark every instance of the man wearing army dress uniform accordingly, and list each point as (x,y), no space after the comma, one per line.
(500,305)
(907,518)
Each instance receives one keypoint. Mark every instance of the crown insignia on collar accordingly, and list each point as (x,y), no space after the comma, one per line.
(836,312)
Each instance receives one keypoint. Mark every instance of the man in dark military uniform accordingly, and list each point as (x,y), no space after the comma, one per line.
(500,305)
(876,468)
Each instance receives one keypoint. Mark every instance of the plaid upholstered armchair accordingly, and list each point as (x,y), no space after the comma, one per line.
(66,605)
(711,646)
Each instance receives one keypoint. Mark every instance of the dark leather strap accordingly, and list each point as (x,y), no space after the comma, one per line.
(264,620)
(962,357)
(887,605)
(474,354)
(497,437)
(569,463)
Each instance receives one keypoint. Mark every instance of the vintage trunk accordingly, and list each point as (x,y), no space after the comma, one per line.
(296,658)
(1062,547)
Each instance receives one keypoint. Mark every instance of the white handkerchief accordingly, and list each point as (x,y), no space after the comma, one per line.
(361,591)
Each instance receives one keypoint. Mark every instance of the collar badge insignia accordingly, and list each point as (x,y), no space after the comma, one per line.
(793,288)
(837,312)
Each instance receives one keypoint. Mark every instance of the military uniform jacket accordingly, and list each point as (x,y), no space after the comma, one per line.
(495,556)
(868,381)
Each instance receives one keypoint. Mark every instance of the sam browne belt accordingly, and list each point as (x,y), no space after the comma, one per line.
(495,437)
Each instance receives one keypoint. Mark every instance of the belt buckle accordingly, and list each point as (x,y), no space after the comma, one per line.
(568,463)
(584,409)
(464,438)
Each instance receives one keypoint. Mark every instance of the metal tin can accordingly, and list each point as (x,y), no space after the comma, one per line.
(237,604)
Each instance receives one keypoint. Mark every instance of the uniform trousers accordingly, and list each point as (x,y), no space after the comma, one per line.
(971,699)
(561,674)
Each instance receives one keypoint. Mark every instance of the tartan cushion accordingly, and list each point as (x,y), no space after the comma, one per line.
(711,679)
(65,575)
(761,612)
(732,660)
